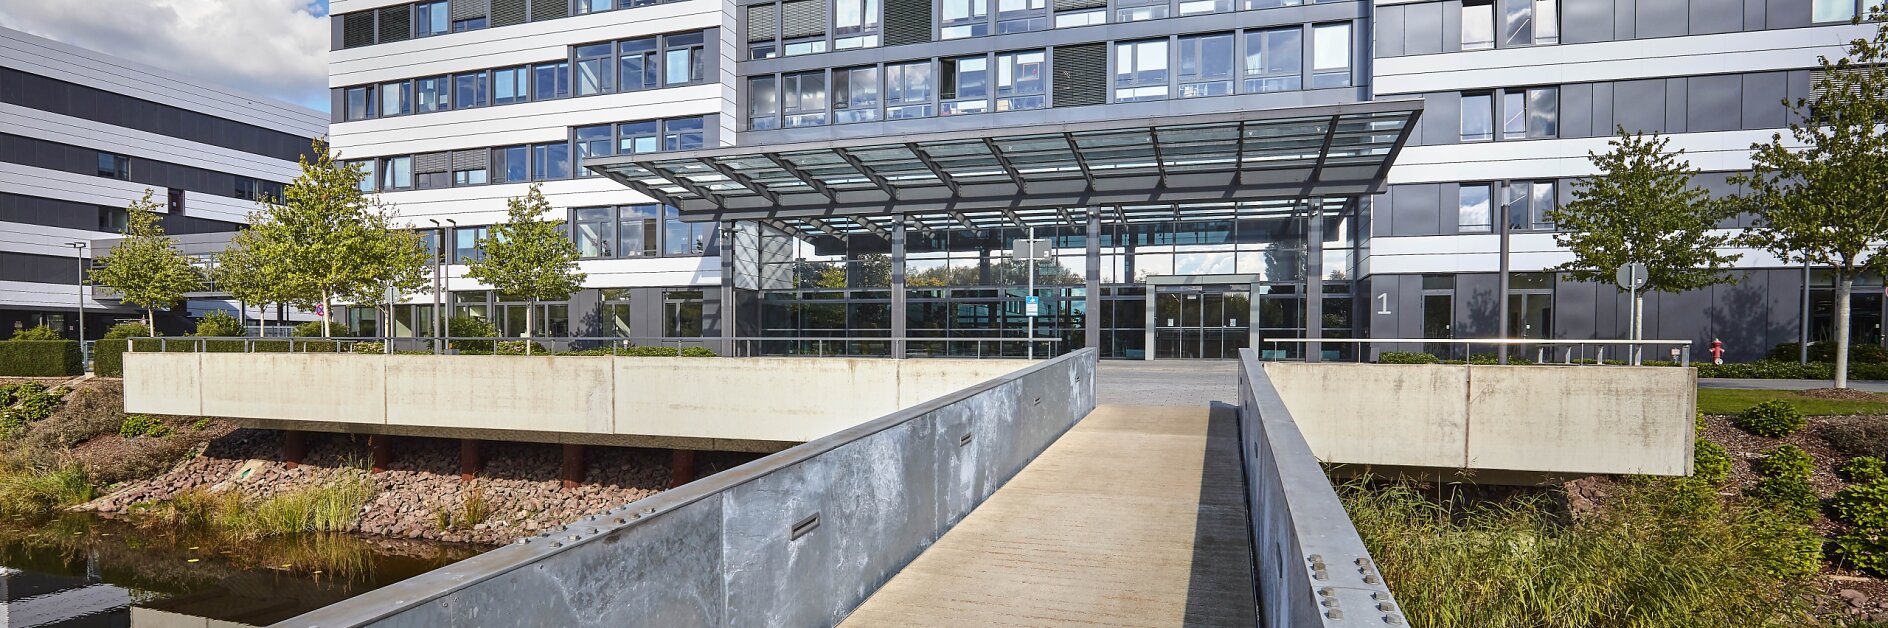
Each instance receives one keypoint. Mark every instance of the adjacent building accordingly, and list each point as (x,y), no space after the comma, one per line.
(83,135)
(1207,174)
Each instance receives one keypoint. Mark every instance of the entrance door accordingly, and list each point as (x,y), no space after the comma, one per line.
(1201,321)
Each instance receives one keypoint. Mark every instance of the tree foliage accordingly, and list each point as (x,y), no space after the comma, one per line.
(1643,207)
(144,266)
(1819,195)
(528,256)
(324,241)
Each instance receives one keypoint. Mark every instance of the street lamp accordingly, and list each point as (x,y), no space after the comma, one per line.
(79,247)
(439,248)
(442,263)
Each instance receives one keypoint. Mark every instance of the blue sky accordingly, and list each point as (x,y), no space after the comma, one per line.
(274,48)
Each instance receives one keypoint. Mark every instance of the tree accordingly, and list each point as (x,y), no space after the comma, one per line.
(1643,208)
(1822,201)
(326,240)
(528,256)
(247,276)
(144,266)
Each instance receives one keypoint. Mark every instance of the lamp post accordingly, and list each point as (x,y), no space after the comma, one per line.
(442,298)
(79,248)
(439,247)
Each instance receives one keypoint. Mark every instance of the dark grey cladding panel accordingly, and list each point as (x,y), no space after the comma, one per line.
(1384,222)
(1675,97)
(1763,97)
(1422,28)
(1476,305)
(1661,18)
(1787,14)
(1603,120)
(1799,85)
(1714,103)
(1574,309)
(1716,16)
(1442,118)
(1417,210)
(1624,12)
(1785,297)
(1576,110)
(1451,26)
(1387,26)
(1640,105)
(1754,15)
(1586,21)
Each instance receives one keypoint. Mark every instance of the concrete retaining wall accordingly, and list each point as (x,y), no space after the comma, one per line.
(746,404)
(1549,419)
(723,551)
(1313,568)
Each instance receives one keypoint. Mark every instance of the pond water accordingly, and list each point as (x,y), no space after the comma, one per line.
(87,571)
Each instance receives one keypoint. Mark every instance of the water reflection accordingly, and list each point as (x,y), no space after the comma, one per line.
(86,571)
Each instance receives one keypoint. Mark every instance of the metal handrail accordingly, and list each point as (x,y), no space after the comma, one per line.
(552,344)
(1633,348)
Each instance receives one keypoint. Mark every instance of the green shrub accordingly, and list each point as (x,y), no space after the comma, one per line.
(108,354)
(127,330)
(1783,549)
(41,332)
(1786,461)
(202,423)
(1791,497)
(136,425)
(1825,351)
(222,324)
(370,347)
(697,352)
(41,358)
(1772,418)
(588,352)
(312,329)
(1863,469)
(1864,550)
(516,347)
(1406,357)
(1862,504)
(1492,358)
(471,327)
(1710,462)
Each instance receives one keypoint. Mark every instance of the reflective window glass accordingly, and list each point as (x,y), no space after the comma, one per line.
(763,103)
(855,95)
(1478,25)
(550,161)
(1021,16)
(396,99)
(1206,65)
(596,74)
(1274,60)
(638,137)
(682,59)
(963,18)
(1517,23)
(803,98)
(432,94)
(682,134)
(511,164)
(551,80)
(509,85)
(1330,56)
(637,61)
(1019,81)
(1478,120)
(1473,212)
(1140,70)
(908,90)
(965,87)
(470,90)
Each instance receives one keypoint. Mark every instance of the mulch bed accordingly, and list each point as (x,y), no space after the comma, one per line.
(1842,394)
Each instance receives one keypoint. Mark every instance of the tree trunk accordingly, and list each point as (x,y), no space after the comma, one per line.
(327,312)
(150,322)
(1844,288)
(530,312)
(1638,326)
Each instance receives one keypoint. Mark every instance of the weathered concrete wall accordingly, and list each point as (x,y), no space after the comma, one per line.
(750,404)
(1553,419)
(1313,568)
(722,551)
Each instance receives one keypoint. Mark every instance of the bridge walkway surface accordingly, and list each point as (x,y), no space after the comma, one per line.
(1135,517)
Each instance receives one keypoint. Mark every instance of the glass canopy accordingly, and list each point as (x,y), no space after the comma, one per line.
(1164,164)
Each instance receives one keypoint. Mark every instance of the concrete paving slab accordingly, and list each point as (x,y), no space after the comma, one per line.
(1195,383)
(1135,517)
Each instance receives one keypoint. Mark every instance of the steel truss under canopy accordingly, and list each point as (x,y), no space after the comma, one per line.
(1212,164)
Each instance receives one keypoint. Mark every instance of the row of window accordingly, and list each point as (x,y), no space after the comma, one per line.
(798,27)
(438,17)
(530,162)
(592,69)
(638,231)
(1520,23)
(1525,204)
(116,166)
(1524,113)
(89,103)
(1186,66)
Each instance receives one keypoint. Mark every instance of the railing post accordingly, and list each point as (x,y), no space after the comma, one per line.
(1684,355)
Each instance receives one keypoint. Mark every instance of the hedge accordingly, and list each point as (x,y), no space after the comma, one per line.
(41,358)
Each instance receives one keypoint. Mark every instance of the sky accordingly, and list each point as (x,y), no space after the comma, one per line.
(274,48)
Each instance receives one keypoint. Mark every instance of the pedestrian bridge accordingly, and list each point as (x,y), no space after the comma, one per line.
(1016,500)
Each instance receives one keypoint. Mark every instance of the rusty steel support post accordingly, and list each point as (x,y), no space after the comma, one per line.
(471,459)
(294,447)
(382,446)
(682,464)
(573,469)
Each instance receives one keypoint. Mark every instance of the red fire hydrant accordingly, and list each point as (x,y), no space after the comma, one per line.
(1717,351)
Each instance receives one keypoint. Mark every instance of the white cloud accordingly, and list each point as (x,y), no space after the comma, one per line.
(275,48)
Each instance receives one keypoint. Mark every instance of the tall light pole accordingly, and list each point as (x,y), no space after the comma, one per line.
(439,246)
(79,248)
(442,298)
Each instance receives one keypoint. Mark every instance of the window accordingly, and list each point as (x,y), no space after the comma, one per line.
(1021,16)
(1330,56)
(964,18)
(434,171)
(511,164)
(763,103)
(685,238)
(113,219)
(469,176)
(1513,115)
(1019,83)
(1832,11)
(803,46)
(114,166)
(855,24)
(1478,119)
(1473,215)
(465,244)
(855,95)
(908,90)
(1546,21)
(552,80)
(431,18)
(471,89)
(1194,7)
(1543,112)
(1071,19)
(1271,4)
(593,141)
(367,174)
(594,6)
(681,311)
(1140,70)
(468,24)
(433,95)
(550,161)
(682,59)
(510,85)
(1274,60)
(594,229)
(638,137)
(803,98)
(396,99)
(1136,10)
(360,103)
(595,73)
(1517,23)
(637,60)
(636,230)
(1206,65)
(396,173)
(1525,114)
(682,134)
(1478,25)
(1528,205)
(965,87)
